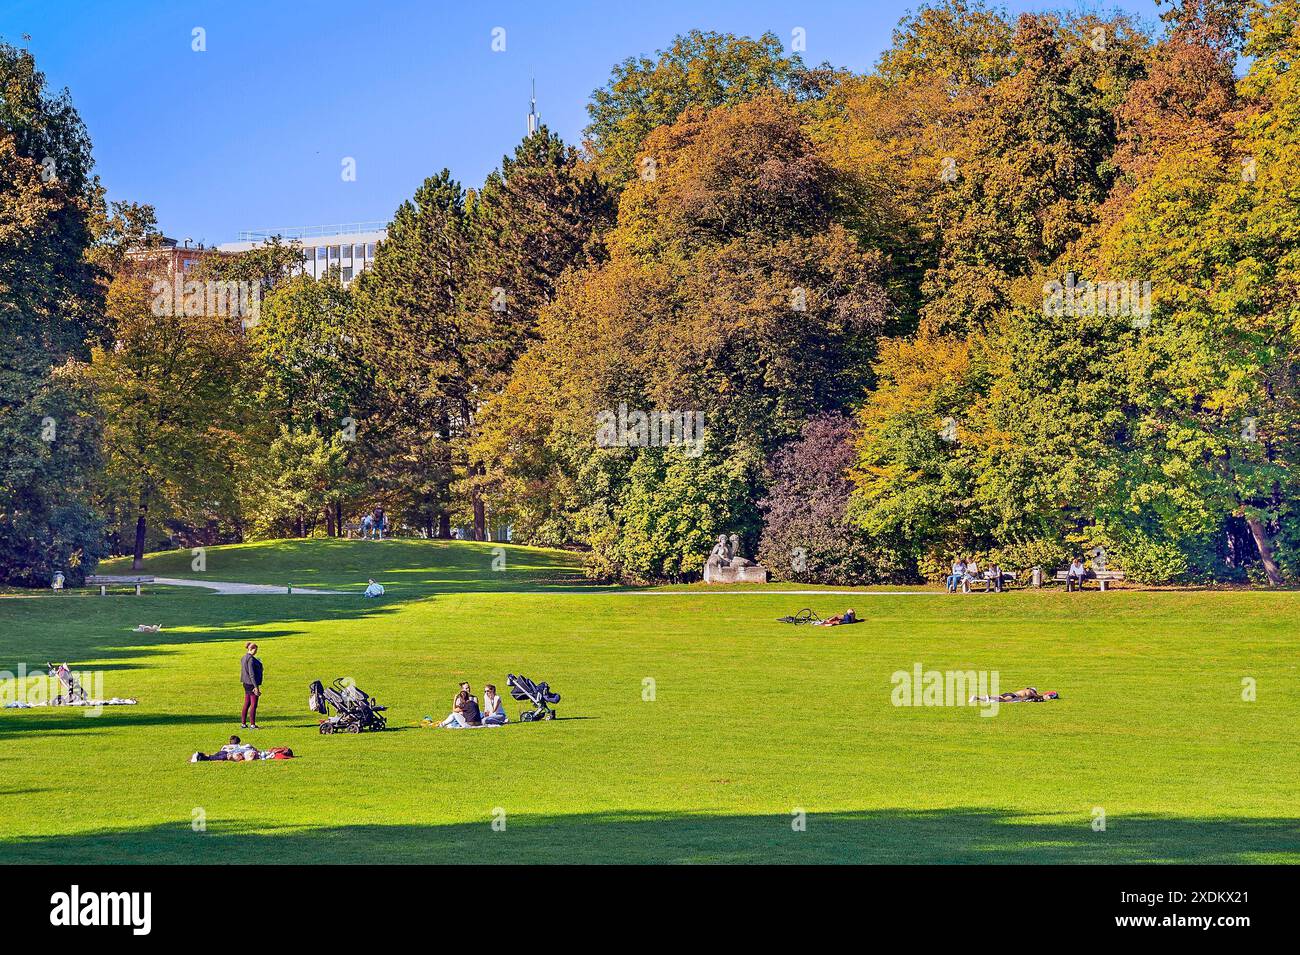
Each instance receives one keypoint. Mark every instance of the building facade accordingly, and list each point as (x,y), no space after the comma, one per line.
(350,247)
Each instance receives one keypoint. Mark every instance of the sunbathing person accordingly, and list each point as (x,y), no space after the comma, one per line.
(847,616)
(1028,695)
(234,751)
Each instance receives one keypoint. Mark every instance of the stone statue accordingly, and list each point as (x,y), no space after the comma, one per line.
(726,566)
(719,557)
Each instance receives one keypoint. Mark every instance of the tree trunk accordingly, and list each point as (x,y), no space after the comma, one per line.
(137,558)
(329,521)
(338,518)
(480,514)
(444,525)
(1265,544)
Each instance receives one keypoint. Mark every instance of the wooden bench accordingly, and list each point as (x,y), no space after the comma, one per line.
(1008,578)
(1103,577)
(104,581)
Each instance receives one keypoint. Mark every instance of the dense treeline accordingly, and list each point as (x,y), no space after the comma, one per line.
(1026,290)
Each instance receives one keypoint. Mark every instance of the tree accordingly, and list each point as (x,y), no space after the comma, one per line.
(312,381)
(50,304)
(539,215)
(730,297)
(807,534)
(700,69)
(170,391)
(410,328)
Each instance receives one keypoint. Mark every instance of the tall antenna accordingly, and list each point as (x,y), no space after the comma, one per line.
(533,118)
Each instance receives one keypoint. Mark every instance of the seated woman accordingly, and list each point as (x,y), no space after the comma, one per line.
(494,710)
(374,589)
(464,713)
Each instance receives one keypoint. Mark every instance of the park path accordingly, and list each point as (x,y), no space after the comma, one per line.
(225,587)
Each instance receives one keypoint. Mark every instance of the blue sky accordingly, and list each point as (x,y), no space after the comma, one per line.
(252,133)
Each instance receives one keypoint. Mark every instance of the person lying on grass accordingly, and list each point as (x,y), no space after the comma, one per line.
(237,752)
(1028,695)
(846,617)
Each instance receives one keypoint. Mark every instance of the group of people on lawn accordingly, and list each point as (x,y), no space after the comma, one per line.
(467,714)
(374,523)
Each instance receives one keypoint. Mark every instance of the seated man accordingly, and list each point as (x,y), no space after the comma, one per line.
(1075,575)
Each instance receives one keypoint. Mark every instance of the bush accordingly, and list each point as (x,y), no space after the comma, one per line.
(806,535)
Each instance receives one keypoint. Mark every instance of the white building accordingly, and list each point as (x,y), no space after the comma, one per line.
(349,247)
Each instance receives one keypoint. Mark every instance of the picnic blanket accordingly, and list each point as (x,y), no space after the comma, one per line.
(115,701)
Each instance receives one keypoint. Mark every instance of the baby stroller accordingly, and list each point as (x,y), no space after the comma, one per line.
(67,680)
(355,710)
(538,694)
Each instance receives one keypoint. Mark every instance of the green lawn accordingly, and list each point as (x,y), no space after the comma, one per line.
(752,721)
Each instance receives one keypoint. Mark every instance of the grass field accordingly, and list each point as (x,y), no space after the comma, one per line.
(752,721)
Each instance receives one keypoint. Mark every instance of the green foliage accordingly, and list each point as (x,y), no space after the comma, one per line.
(50,303)
(286,484)
(701,69)
(662,519)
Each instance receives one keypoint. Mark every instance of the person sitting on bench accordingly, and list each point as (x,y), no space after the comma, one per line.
(958,572)
(1075,576)
(993,578)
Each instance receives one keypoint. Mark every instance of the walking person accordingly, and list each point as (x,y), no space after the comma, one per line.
(250,675)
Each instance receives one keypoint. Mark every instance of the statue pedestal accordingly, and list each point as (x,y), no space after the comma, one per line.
(753,574)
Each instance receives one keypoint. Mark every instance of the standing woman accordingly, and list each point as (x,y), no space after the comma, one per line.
(250,674)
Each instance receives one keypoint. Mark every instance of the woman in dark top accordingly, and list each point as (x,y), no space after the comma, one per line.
(250,675)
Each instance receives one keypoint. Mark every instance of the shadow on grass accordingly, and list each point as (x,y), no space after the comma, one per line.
(892,836)
(406,567)
(73,720)
(103,629)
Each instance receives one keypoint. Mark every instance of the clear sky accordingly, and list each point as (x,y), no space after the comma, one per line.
(253,132)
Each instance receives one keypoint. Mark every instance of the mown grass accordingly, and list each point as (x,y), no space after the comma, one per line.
(745,723)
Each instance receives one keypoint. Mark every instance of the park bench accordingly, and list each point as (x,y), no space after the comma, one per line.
(104,581)
(1103,577)
(1008,578)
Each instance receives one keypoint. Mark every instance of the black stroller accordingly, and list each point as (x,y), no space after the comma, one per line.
(355,710)
(538,694)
